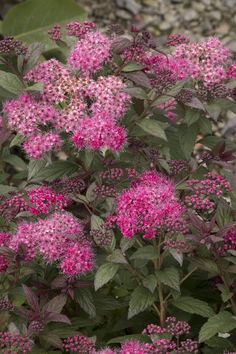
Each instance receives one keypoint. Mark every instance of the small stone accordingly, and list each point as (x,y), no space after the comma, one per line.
(191,15)
(164,26)
(123,14)
(131,5)
(215,15)
(198,6)
(223,28)
(232,45)
(171,18)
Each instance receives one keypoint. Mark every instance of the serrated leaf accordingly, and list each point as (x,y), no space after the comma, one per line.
(52,339)
(117,257)
(131,66)
(221,323)
(5,189)
(56,170)
(34,167)
(150,282)
(56,304)
(15,161)
(177,256)
(139,78)
(153,128)
(191,305)
(17,140)
(104,274)
(137,92)
(29,23)
(11,85)
(31,298)
(191,116)
(187,138)
(225,293)
(121,339)
(205,264)
(85,299)
(223,214)
(125,244)
(146,252)
(141,298)
(169,277)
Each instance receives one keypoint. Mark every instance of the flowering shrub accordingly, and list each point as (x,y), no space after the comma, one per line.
(118,204)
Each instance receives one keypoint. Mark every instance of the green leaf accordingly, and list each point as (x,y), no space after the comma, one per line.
(11,85)
(192,116)
(225,293)
(191,305)
(187,138)
(34,167)
(4,189)
(205,264)
(125,244)
(16,162)
(117,257)
(104,274)
(122,339)
(56,170)
(152,127)
(177,256)
(169,277)
(150,282)
(85,299)
(17,140)
(223,214)
(132,66)
(214,110)
(30,20)
(137,92)
(146,252)
(141,298)
(221,323)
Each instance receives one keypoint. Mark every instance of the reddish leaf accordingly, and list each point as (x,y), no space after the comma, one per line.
(31,298)
(56,304)
(56,317)
(119,44)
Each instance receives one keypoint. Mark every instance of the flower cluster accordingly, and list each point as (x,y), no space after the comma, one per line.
(5,305)
(79,344)
(204,192)
(165,346)
(9,45)
(38,200)
(147,206)
(90,53)
(78,29)
(57,238)
(207,60)
(14,343)
(89,107)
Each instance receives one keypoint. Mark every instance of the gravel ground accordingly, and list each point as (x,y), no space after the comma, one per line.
(162,17)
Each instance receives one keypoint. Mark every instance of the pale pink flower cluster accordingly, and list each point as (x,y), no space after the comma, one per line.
(90,53)
(79,29)
(38,145)
(147,206)
(207,60)
(89,108)
(59,238)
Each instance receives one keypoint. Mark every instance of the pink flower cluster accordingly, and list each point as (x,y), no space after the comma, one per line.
(147,206)
(229,240)
(79,29)
(90,53)
(79,344)
(231,71)
(207,60)
(90,108)
(204,192)
(59,238)
(14,343)
(39,200)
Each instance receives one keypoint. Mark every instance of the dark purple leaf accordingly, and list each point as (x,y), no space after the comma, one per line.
(139,78)
(119,44)
(31,298)
(59,282)
(56,317)
(56,304)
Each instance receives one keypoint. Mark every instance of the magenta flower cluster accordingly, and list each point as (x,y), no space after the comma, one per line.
(58,238)
(14,343)
(204,192)
(147,206)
